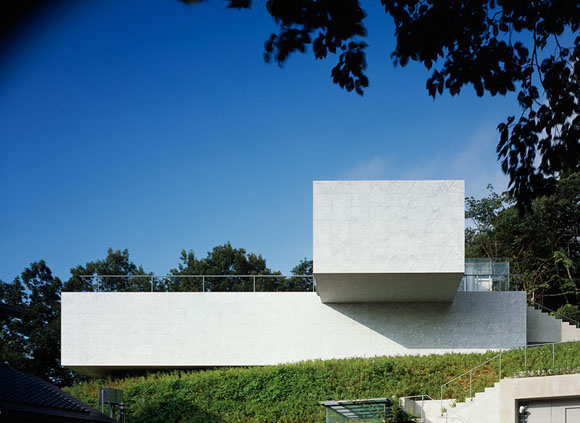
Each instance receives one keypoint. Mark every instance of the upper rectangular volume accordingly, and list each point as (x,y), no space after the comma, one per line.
(388,227)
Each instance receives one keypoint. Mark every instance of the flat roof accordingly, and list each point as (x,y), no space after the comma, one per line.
(360,408)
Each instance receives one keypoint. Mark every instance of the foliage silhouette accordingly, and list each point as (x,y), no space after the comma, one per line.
(495,46)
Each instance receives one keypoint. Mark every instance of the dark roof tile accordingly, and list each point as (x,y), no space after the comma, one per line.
(21,392)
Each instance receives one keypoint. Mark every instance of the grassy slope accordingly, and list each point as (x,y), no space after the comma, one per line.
(290,393)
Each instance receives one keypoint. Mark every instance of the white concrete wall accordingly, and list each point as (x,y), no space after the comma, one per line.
(388,226)
(388,241)
(155,330)
(484,408)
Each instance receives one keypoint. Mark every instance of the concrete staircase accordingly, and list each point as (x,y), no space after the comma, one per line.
(501,402)
(479,409)
(543,328)
(482,408)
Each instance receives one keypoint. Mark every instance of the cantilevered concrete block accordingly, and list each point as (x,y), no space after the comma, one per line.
(388,241)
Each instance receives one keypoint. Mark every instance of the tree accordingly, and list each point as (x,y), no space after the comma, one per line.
(223,260)
(480,238)
(301,283)
(31,343)
(496,46)
(544,246)
(117,263)
(226,260)
(12,339)
(189,265)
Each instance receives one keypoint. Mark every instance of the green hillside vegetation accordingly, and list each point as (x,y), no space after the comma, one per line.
(290,393)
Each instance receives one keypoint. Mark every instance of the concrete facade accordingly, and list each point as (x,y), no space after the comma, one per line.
(388,259)
(388,240)
(105,331)
(500,403)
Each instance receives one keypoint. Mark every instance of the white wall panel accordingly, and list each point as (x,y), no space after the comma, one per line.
(155,330)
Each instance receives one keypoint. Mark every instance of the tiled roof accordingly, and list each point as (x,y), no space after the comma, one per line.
(21,393)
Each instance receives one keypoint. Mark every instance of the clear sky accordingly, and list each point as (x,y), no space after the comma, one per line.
(156,127)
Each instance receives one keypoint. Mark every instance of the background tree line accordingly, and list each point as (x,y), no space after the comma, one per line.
(30,342)
(543,246)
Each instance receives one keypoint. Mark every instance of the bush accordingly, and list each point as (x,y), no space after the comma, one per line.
(571,311)
(291,392)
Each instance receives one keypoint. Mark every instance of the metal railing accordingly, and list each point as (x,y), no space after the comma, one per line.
(549,310)
(499,357)
(164,285)
(161,283)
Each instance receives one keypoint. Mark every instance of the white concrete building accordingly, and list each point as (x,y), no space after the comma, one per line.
(388,241)
(388,262)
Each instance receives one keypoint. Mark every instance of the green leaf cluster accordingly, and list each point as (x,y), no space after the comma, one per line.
(30,341)
(543,245)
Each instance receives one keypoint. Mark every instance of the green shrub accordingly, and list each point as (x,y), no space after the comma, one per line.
(291,392)
(571,311)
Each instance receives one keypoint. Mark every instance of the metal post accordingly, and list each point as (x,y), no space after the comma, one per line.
(500,366)
(470,372)
(553,356)
(441,403)
(121,412)
(151,284)
(254,278)
(203,284)
(526,357)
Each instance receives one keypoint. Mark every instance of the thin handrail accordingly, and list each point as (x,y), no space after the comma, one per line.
(203,277)
(470,371)
(494,357)
(554,311)
(196,276)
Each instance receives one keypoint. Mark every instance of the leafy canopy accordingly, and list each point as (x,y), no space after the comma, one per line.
(544,246)
(495,46)
(116,263)
(31,343)
(227,260)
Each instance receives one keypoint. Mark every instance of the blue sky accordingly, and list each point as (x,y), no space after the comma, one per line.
(157,127)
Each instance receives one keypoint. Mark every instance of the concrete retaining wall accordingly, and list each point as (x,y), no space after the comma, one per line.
(500,403)
(156,330)
(543,328)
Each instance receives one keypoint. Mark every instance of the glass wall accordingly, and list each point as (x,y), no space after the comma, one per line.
(483,274)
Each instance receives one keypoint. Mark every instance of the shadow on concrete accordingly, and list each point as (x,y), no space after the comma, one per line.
(490,320)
